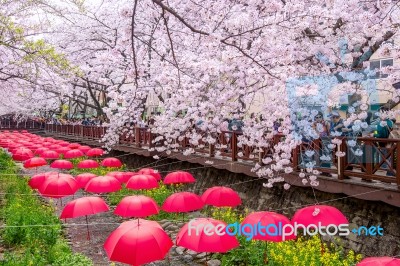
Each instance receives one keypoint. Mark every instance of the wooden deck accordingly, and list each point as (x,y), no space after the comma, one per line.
(346,179)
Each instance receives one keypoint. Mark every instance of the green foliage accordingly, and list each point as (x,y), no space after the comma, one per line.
(32,232)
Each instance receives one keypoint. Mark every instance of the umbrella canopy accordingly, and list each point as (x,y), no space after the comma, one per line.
(58,186)
(84,206)
(62,164)
(152,172)
(75,153)
(83,179)
(323,214)
(35,162)
(74,145)
(103,184)
(94,152)
(136,206)
(379,261)
(182,202)
(111,162)
(179,177)
(137,244)
(86,164)
(39,151)
(37,180)
(22,154)
(142,182)
(122,177)
(221,197)
(49,154)
(63,150)
(192,236)
(84,149)
(271,222)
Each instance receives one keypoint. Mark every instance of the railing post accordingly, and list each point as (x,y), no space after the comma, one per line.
(234,147)
(395,160)
(137,136)
(342,159)
(295,158)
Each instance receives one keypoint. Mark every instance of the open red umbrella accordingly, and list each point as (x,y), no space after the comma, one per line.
(85,149)
(37,180)
(137,244)
(182,202)
(63,150)
(39,151)
(74,145)
(379,261)
(323,214)
(83,179)
(22,154)
(136,206)
(192,236)
(35,162)
(179,177)
(271,222)
(122,177)
(149,171)
(95,152)
(83,207)
(111,162)
(75,153)
(103,184)
(49,154)
(62,164)
(138,182)
(58,186)
(86,164)
(221,197)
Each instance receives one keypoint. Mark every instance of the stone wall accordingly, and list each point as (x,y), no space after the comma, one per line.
(256,197)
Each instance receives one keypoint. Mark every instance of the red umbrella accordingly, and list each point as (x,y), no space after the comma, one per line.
(85,164)
(137,244)
(379,261)
(272,222)
(83,179)
(84,207)
(35,162)
(103,184)
(142,182)
(149,171)
(41,150)
(62,164)
(73,154)
(94,152)
(84,149)
(221,197)
(111,162)
(136,206)
(58,186)
(122,177)
(63,150)
(74,145)
(22,154)
(49,154)
(37,180)
(182,202)
(179,177)
(192,236)
(63,143)
(323,214)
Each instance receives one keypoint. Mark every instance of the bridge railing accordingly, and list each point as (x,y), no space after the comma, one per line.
(369,159)
(8,124)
